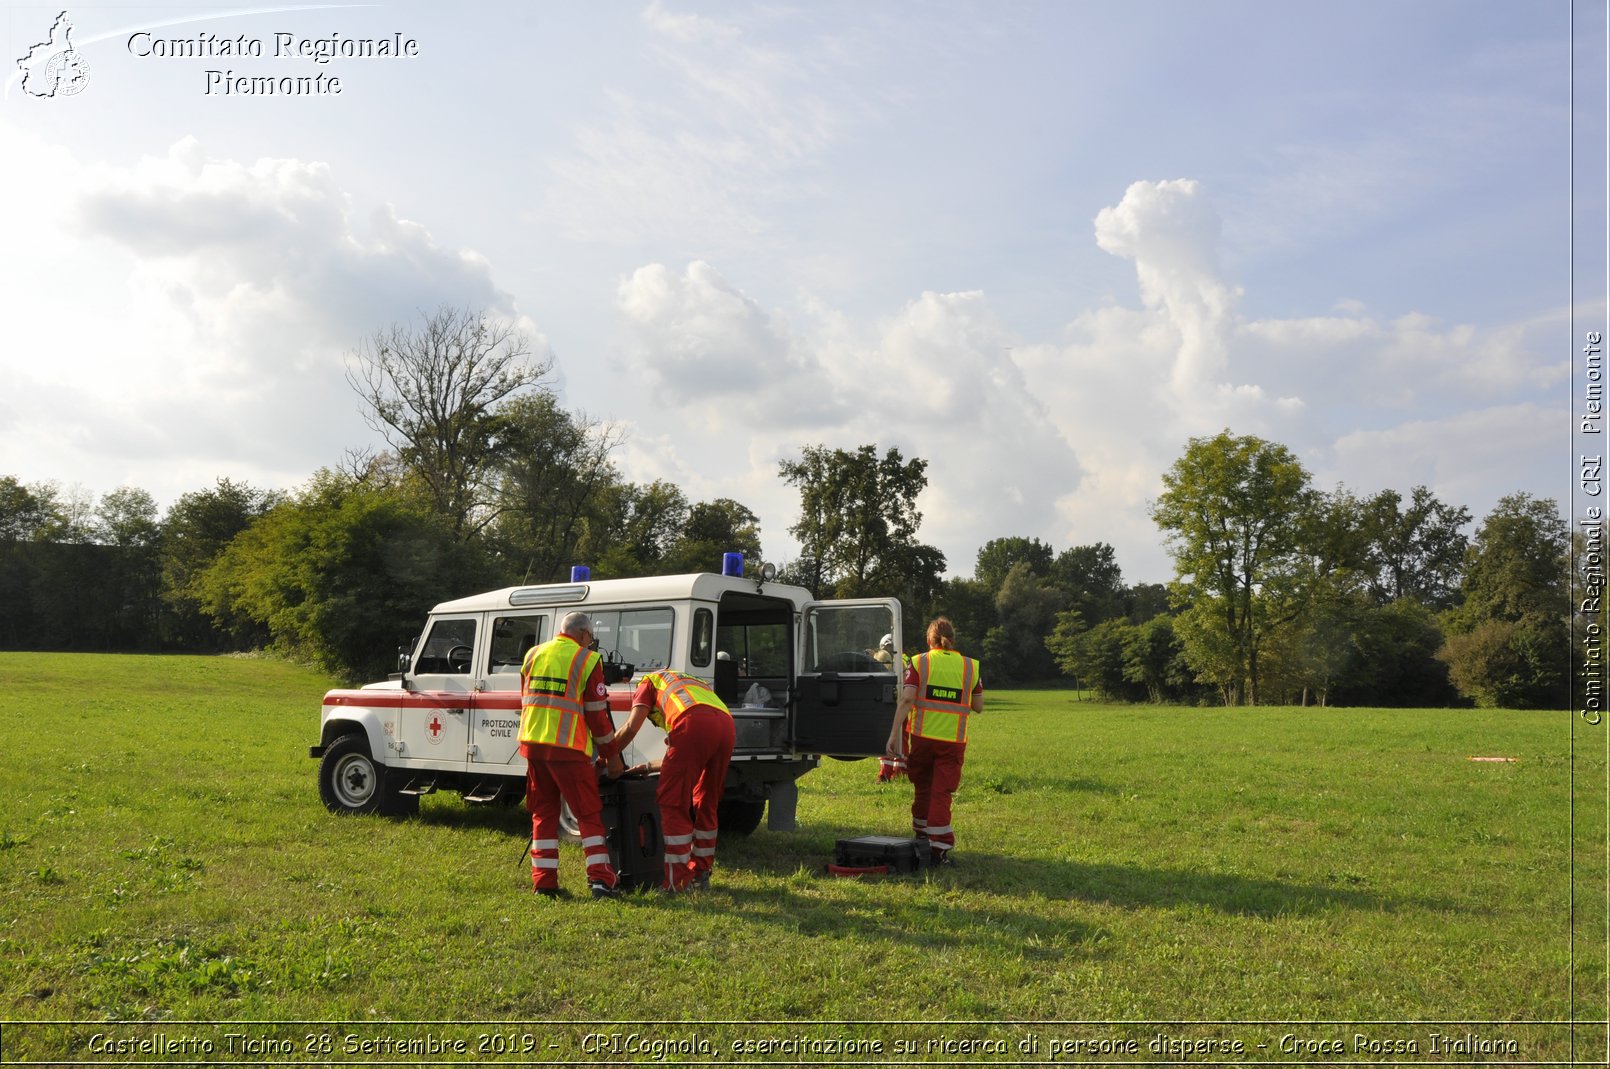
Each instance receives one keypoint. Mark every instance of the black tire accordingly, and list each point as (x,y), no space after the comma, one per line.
(740,816)
(352,781)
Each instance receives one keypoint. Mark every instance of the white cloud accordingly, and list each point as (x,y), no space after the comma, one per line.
(1370,403)
(1068,439)
(701,336)
(227,299)
(1172,234)
(228,294)
(1471,458)
(742,388)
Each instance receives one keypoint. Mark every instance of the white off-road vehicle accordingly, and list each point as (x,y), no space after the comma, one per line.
(799,676)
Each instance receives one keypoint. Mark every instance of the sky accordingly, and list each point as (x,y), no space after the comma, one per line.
(1041,245)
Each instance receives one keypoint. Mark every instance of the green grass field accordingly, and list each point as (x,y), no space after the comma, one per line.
(1210,873)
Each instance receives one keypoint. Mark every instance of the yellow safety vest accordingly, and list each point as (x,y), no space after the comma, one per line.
(551,700)
(677,694)
(945,683)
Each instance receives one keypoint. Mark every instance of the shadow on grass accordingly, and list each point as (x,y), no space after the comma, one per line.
(786,856)
(1125,886)
(922,920)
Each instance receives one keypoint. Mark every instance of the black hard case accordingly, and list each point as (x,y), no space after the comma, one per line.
(872,851)
(632,822)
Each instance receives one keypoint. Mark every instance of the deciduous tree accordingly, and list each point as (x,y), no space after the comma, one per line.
(858,523)
(1237,514)
(1508,639)
(434,389)
(195,530)
(1416,552)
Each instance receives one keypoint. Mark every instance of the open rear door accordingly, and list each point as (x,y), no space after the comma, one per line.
(845,693)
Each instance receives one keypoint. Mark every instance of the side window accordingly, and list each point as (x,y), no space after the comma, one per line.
(640,637)
(512,636)
(448,647)
(704,625)
(847,638)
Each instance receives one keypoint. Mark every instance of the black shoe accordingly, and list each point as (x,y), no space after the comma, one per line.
(701,882)
(604,890)
(547,892)
(942,861)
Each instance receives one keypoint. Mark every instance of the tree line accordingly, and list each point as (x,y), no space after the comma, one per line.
(1282,593)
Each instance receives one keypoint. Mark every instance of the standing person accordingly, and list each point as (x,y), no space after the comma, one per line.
(942,689)
(564,720)
(699,736)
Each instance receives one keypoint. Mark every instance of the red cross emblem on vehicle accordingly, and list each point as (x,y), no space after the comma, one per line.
(435,728)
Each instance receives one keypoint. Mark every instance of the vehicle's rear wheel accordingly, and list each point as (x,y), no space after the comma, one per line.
(740,816)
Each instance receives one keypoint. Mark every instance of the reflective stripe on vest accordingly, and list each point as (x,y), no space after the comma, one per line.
(945,682)
(677,694)
(551,703)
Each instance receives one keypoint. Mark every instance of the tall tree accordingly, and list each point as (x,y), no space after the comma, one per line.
(126,522)
(553,480)
(1508,640)
(1416,552)
(29,519)
(195,531)
(858,523)
(1000,555)
(1092,578)
(1517,566)
(341,573)
(1026,606)
(434,390)
(713,528)
(640,525)
(1236,513)
(27,513)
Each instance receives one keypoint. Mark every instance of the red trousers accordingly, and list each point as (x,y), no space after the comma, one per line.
(698,749)
(576,784)
(935,768)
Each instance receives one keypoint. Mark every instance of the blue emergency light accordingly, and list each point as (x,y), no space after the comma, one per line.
(732,564)
(580,573)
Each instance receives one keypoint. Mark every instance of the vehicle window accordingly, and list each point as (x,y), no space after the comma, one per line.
(640,637)
(846,638)
(761,650)
(512,636)
(704,625)
(447,649)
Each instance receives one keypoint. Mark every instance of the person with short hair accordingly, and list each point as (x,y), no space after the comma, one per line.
(564,725)
(941,691)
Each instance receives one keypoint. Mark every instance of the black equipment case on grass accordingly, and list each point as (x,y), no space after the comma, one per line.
(632,820)
(875,854)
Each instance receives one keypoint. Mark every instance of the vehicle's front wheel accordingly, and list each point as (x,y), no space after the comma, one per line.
(352,781)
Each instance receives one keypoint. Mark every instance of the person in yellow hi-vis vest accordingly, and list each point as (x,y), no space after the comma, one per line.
(941,691)
(699,736)
(564,722)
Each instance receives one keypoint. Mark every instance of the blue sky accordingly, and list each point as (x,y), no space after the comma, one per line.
(1039,244)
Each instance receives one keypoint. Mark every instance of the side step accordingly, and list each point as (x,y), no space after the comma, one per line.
(485,791)
(418,787)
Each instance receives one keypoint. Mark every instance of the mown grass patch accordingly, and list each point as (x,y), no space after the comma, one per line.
(164,855)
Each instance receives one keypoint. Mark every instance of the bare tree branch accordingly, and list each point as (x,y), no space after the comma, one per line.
(433,389)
